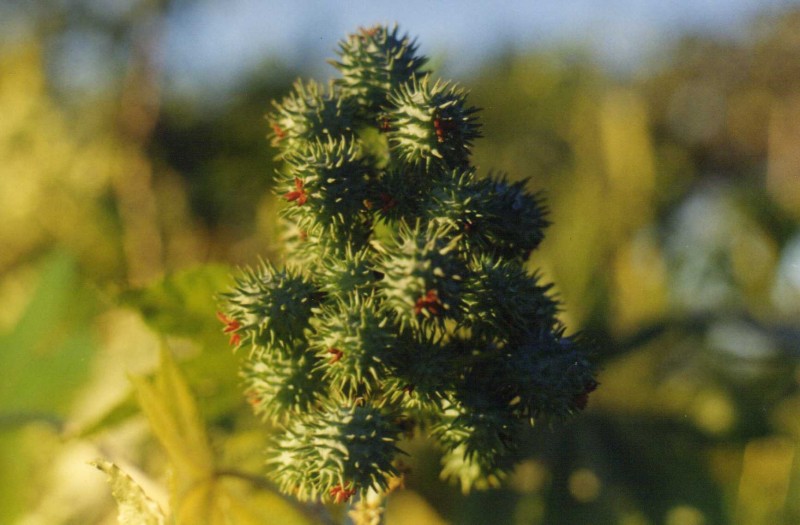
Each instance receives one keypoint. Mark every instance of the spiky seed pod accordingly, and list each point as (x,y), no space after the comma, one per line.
(400,194)
(309,114)
(337,449)
(550,375)
(374,62)
(454,204)
(354,338)
(430,123)
(513,220)
(271,306)
(352,274)
(309,244)
(327,184)
(422,277)
(506,301)
(423,371)
(473,472)
(302,246)
(279,385)
(494,215)
(478,443)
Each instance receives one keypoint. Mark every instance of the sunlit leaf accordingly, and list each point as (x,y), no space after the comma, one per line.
(200,495)
(122,411)
(174,419)
(263,507)
(183,303)
(135,507)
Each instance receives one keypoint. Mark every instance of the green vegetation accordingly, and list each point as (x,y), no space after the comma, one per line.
(404,303)
(674,244)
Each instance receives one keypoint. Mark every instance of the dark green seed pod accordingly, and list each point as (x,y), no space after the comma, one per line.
(422,277)
(400,194)
(309,114)
(279,385)
(374,62)
(431,124)
(506,301)
(513,221)
(550,374)
(423,371)
(327,184)
(354,337)
(270,305)
(335,451)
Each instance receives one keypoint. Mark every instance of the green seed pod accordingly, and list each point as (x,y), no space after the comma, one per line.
(327,185)
(336,452)
(374,62)
(352,274)
(308,115)
(270,305)
(431,124)
(506,301)
(474,471)
(478,443)
(279,385)
(492,215)
(354,338)
(422,277)
(453,204)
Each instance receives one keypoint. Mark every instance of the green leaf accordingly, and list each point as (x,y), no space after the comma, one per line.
(120,412)
(262,507)
(44,357)
(169,406)
(183,303)
(135,507)
(199,494)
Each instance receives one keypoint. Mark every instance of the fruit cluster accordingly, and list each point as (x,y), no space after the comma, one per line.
(403,301)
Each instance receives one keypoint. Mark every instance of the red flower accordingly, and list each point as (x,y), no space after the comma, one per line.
(253,398)
(581,400)
(279,133)
(337,354)
(368,32)
(442,126)
(299,194)
(341,494)
(388,202)
(429,302)
(231,327)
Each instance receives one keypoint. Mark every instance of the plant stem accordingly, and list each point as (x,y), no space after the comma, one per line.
(368,510)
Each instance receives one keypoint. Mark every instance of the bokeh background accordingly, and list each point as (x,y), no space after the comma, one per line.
(135,174)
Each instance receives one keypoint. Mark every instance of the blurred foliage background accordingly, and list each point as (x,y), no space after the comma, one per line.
(675,200)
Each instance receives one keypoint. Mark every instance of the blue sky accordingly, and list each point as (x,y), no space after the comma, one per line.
(219,39)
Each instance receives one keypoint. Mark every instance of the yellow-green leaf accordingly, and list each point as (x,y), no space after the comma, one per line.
(135,507)
(169,406)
